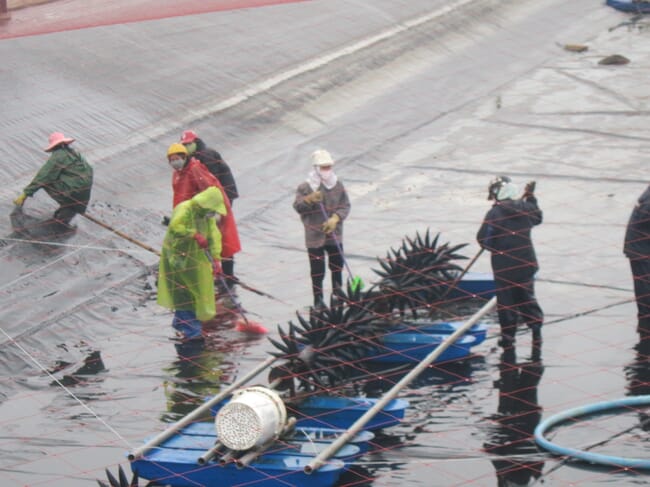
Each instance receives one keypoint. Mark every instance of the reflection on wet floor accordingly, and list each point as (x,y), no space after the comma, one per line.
(638,377)
(511,445)
(439,375)
(203,366)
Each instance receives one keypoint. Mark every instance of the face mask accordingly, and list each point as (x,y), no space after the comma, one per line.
(191,147)
(325,172)
(177,164)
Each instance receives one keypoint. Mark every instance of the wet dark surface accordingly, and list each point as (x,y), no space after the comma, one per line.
(418,125)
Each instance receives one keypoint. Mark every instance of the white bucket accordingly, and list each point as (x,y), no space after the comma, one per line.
(253,417)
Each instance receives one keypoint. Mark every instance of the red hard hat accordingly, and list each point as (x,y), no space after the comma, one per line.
(188,137)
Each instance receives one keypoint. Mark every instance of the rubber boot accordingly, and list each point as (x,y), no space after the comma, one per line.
(507,339)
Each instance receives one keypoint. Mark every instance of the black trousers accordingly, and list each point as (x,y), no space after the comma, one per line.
(641,274)
(317,269)
(516,302)
(228,267)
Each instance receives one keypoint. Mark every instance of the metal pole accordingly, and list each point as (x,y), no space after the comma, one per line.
(322,457)
(461,275)
(209,455)
(121,234)
(246,459)
(198,412)
(157,252)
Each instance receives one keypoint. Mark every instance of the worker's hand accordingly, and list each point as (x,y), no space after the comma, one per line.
(20,200)
(216,268)
(201,240)
(314,197)
(330,225)
(165,221)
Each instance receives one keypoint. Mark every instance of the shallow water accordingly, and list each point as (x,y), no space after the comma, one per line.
(418,134)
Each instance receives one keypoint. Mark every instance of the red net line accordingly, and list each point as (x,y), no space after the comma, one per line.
(576,373)
(68,15)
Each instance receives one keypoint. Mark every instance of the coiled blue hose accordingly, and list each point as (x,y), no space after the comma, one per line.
(632,463)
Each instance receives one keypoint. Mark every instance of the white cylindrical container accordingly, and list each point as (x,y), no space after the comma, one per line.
(253,417)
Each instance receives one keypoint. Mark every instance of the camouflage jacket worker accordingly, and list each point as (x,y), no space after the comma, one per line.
(66,177)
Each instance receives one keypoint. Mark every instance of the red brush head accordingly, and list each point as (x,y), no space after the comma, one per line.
(250,327)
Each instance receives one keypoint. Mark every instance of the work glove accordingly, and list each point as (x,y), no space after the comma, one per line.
(216,268)
(165,221)
(314,197)
(201,240)
(20,200)
(330,225)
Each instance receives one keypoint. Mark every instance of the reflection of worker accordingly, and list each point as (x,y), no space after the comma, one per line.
(66,177)
(518,415)
(637,249)
(506,233)
(638,377)
(186,273)
(191,177)
(323,204)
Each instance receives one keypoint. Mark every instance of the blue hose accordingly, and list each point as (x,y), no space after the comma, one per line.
(631,463)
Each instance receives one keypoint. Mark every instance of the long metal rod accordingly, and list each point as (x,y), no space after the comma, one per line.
(338,244)
(157,252)
(322,457)
(198,412)
(257,291)
(121,234)
(461,275)
(247,458)
(224,284)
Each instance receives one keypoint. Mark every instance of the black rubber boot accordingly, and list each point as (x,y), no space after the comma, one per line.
(507,336)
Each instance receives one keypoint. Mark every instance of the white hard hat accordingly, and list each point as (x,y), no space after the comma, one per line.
(321,157)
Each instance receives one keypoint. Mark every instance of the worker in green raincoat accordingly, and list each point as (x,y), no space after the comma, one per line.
(66,177)
(186,273)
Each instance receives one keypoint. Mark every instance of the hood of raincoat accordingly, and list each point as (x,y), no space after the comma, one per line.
(209,200)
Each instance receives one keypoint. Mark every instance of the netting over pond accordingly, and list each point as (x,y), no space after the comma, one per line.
(421,105)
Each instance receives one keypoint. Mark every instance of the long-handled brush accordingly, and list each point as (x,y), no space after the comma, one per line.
(243,324)
(355,281)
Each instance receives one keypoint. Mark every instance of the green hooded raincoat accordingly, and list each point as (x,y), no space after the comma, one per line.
(185,280)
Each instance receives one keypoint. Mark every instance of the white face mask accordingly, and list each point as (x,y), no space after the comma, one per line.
(177,164)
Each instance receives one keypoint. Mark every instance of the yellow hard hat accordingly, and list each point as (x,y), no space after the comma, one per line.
(176,149)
